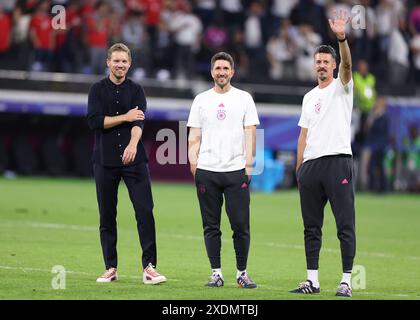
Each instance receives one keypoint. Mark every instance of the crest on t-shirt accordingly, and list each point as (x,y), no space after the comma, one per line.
(221,114)
(221,105)
(318,107)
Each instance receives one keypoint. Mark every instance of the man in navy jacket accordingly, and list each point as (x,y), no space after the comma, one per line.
(116,107)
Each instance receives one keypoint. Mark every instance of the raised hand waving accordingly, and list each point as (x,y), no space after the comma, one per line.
(338,23)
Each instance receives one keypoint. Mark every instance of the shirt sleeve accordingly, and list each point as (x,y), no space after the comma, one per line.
(138,123)
(251,115)
(95,116)
(303,121)
(141,102)
(194,117)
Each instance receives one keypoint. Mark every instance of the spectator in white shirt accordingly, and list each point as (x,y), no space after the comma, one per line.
(280,52)
(306,42)
(186,28)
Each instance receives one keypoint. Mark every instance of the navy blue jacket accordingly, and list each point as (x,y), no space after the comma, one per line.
(108,99)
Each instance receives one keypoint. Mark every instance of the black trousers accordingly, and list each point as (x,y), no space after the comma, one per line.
(328,179)
(234,185)
(377,177)
(137,180)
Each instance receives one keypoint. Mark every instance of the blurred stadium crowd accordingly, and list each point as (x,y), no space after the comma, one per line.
(270,39)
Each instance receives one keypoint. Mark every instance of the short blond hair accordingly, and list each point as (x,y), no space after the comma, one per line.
(119,47)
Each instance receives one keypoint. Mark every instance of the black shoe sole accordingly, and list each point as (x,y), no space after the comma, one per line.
(342,295)
(253,287)
(313,292)
(212,286)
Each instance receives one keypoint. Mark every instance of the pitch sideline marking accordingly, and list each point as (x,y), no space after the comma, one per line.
(29,269)
(269,244)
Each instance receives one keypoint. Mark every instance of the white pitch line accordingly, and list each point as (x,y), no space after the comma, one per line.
(355,292)
(301,247)
(48,226)
(29,269)
(295,246)
(63,226)
(80,273)
(199,238)
(413,258)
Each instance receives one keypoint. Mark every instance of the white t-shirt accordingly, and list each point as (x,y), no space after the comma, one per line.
(415,45)
(326,113)
(222,118)
(186,28)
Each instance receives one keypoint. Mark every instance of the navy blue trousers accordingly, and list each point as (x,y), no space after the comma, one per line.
(137,180)
(234,185)
(330,179)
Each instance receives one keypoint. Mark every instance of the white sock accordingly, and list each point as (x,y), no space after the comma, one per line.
(218,271)
(346,278)
(238,273)
(313,276)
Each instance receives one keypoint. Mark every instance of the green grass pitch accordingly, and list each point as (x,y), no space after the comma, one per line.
(46,222)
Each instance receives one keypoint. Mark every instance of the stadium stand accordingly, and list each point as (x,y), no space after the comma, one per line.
(45,73)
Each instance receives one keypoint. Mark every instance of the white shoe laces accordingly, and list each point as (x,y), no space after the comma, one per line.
(109,273)
(151,271)
(344,288)
(245,278)
(305,284)
(216,276)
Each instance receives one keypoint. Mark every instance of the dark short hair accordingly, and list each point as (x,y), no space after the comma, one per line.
(326,49)
(222,56)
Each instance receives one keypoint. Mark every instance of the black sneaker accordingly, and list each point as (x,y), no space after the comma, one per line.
(244,281)
(306,287)
(343,290)
(215,281)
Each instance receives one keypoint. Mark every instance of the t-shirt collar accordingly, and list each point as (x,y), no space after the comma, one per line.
(116,85)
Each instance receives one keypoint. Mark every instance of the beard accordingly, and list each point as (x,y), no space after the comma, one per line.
(322,75)
(222,81)
(322,78)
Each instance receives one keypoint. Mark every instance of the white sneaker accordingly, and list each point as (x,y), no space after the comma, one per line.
(108,276)
(151,276)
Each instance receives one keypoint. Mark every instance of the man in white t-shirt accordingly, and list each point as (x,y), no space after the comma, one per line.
(324,167)
(221,148)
